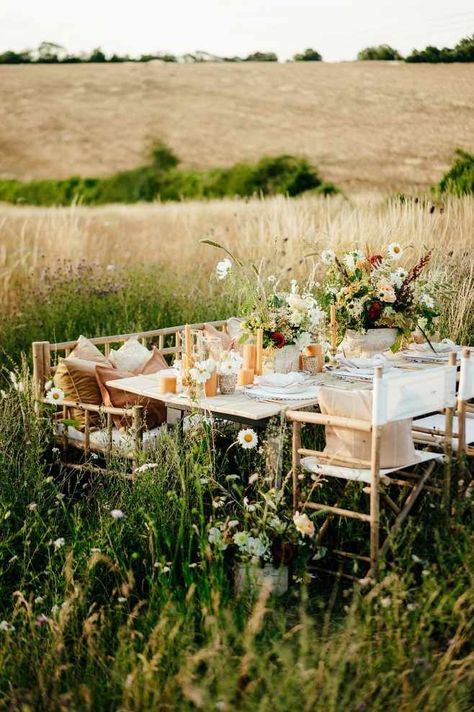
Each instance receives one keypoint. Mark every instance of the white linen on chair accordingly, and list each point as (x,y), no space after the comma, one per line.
(438,422)
(355,474)
(466,378)
(121,440)
(408,395)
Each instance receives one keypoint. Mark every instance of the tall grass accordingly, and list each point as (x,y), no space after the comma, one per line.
(161,243)
(140,614)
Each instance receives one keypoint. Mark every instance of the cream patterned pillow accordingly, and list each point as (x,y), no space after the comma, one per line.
(131,356)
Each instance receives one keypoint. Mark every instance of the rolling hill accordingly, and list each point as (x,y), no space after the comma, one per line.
(366,125)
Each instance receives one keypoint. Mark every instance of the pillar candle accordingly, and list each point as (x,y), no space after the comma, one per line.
(210,386)
(259,353)
(333,327)
(167,384)
(245,376)
(250,356)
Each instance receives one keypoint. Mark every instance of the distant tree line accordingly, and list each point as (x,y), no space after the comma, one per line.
(51,53)
(462,52)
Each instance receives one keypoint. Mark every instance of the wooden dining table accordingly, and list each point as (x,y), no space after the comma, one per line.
(240,407)
(237,406)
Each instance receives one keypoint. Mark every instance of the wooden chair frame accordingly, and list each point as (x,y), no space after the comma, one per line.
(45,355)
(413,482)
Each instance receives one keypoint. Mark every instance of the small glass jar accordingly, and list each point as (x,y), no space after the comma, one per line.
(227,383)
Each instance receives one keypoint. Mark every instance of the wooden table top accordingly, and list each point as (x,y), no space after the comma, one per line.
(236,406)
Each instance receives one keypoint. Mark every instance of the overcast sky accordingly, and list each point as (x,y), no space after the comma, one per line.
(336,28)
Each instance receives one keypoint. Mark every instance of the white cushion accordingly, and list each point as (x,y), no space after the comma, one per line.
(131,356)
(437,422)
(355,474)
(121,439)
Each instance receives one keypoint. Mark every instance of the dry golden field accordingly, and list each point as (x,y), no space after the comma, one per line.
(169,235)
(369,125)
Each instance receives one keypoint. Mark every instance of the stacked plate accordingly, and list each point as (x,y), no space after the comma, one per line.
(292,386)
(436,352)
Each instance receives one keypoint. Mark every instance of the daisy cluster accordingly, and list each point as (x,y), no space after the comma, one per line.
(374,290)
(229,363)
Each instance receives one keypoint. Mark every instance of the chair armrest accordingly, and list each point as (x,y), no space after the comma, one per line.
(301,416)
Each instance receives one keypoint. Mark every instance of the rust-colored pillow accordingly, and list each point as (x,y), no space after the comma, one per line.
(154,410)
(155,363)
(76,377)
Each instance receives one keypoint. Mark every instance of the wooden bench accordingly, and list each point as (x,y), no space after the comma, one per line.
(169,342)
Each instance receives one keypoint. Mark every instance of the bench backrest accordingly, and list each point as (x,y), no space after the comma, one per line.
(168,341)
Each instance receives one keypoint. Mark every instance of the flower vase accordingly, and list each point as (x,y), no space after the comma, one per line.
(249,578)
(374,341)
(227,383)
(286,359)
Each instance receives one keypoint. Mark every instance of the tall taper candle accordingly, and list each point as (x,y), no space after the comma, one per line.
(188,346)
(259,356)
(333,327)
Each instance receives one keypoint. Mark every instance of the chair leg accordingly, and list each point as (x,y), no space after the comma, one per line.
(448,463)
(409,502)
(374,544)
(295,466)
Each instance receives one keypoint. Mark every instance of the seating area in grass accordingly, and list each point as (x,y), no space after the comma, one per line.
(92,416)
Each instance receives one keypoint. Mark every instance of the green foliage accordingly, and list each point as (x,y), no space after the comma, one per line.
(462,52)
(161,180)
(380,52)
(459,180)
(309,55)
(262,57)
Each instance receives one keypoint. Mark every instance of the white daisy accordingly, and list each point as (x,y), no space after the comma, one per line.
(247,438)
(58,543)
(394,250)
(223,268)
(200,372)
(398,277)
(55,396)
(117,514)
(427,300)
(328,257)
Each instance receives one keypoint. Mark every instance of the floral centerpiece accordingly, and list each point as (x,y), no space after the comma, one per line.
(372,291)
(288,318)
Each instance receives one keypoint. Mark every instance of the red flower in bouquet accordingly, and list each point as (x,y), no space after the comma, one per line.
(278,339)
(374,311)
(375,260)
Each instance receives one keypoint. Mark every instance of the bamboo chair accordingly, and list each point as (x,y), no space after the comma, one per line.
(430,430)
(169,342)
(395,397)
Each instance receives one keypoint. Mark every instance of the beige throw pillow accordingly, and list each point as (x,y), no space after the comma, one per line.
(397,448)
(131,356)
(87,351)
